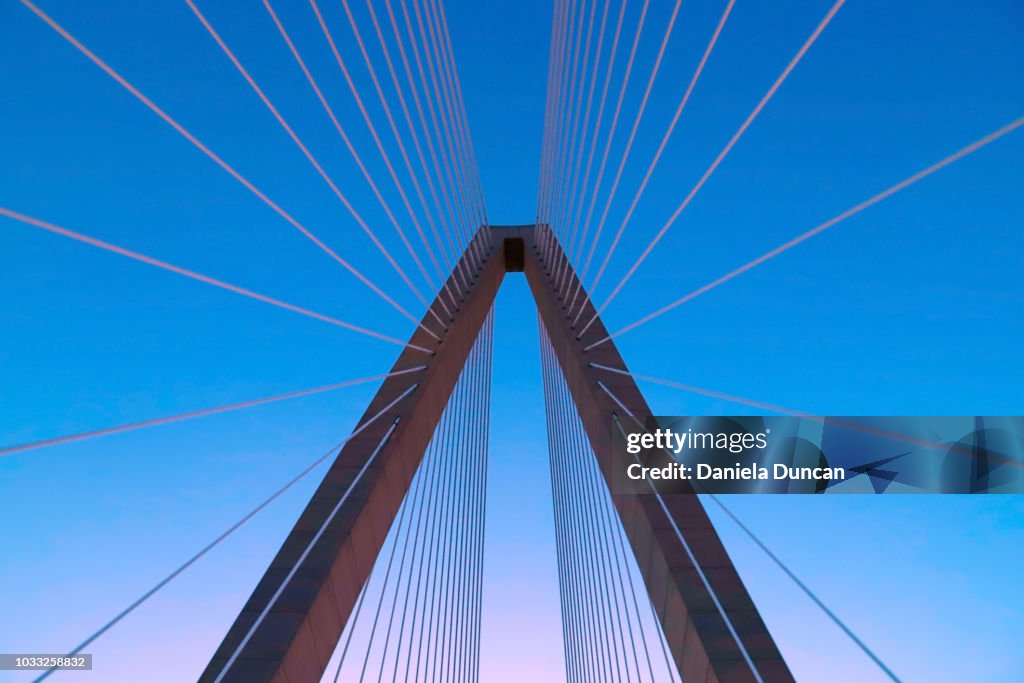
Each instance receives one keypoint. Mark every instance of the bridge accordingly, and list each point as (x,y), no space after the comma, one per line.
(381,575)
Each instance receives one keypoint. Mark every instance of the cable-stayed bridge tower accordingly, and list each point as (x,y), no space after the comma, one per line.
(291,625)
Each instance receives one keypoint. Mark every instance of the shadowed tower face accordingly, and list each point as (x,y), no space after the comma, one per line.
(647,591)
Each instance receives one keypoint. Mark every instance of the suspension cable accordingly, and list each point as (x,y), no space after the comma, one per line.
(559,114)
(552,95)
(592,647)
(373,133)
(686,546)
(903,184)
(435,67)
(657,155)
(450,77)
(574,103)
(461,226)
(214,157)
(565,613)
(598,561)
(571,616)
(760,544)
(316,165)
(721,155)
(636,124)
(309,548)
(417,486)
(592,147)
(579,130)
(415,140)
(454,75)
(449,225)
(419,550)
(397,136)
(191,415)
(611,136)
(164,265)
(547,173)
(341,130)
(230,530)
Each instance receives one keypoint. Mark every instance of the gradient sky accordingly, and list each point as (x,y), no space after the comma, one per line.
(915,307)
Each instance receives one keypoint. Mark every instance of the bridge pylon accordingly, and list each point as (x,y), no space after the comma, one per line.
(289,628)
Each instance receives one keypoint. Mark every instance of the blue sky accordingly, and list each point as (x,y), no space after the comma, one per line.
(914,307)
